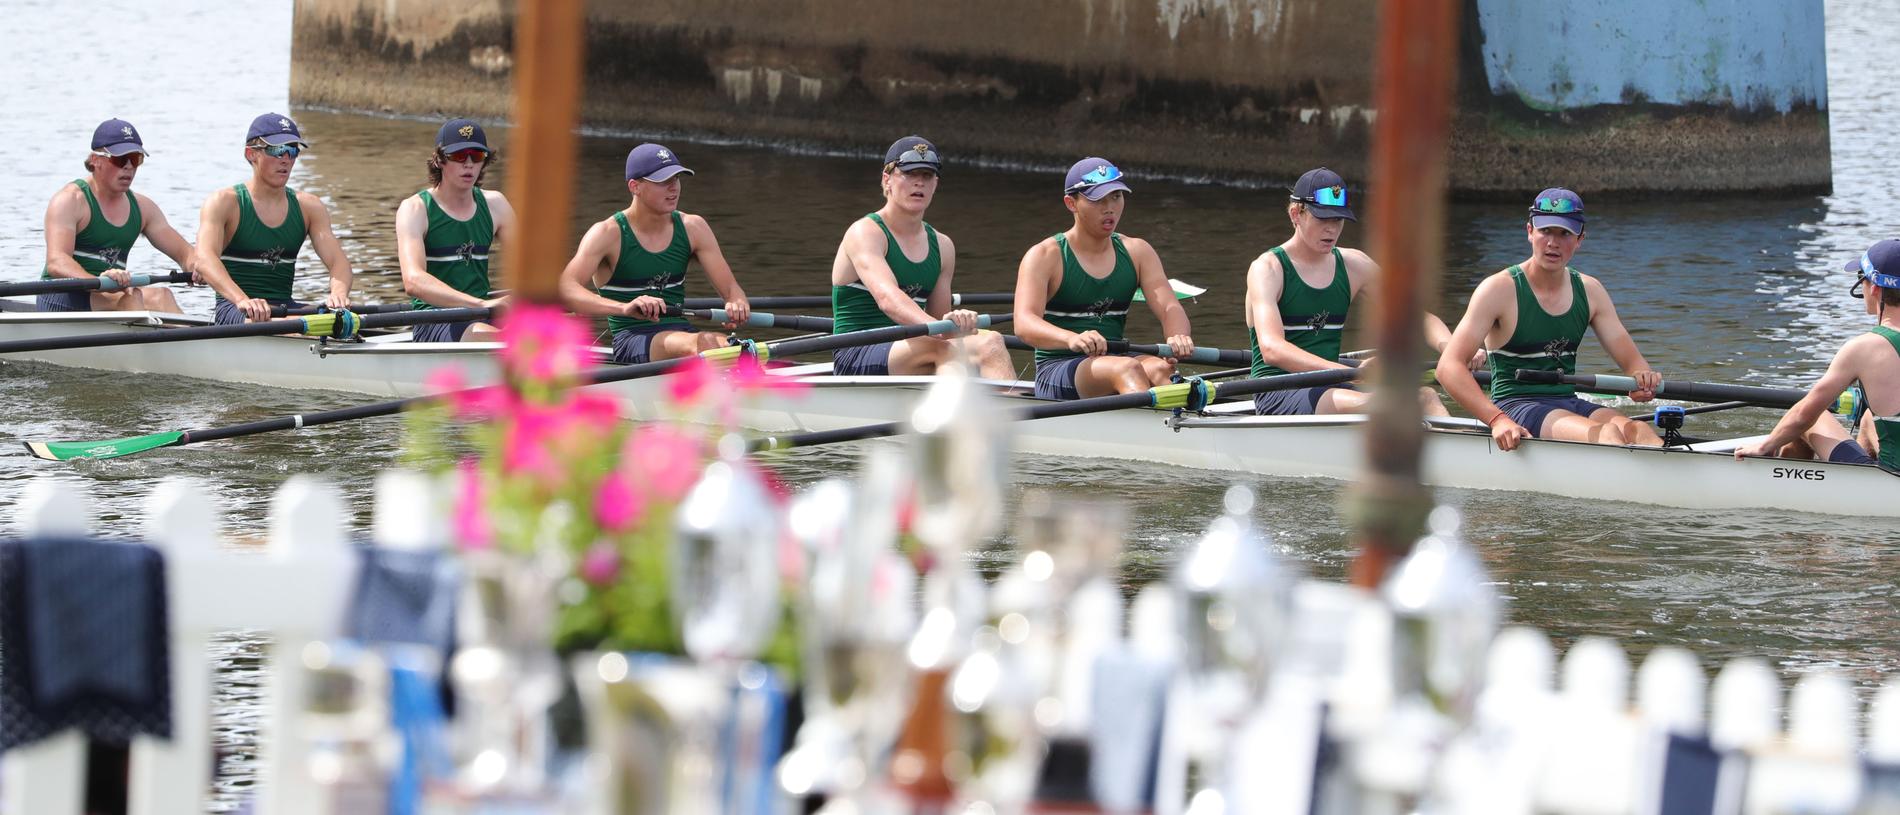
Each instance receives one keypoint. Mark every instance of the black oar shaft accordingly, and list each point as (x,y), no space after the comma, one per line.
(824,301)
(300,420)
(795,347)
(85,284)
(213,332)
(360,308)
(1672,389)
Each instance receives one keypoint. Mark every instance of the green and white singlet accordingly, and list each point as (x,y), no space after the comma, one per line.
(640,273)
(262,259)
(1314,319)
(101,247)
(1083,302)
(457,251)
(854,308)
(1887,427)
(1541,342)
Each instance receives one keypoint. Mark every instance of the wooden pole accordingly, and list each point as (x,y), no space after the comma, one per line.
(1418,52)
(548,53)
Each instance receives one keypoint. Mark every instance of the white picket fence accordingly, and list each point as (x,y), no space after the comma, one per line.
(1569,738)
(294,591)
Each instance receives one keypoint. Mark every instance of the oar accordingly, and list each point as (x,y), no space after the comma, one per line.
(114,448)
(359,308)
(1207,356)
(1685,391)
(1650,417)
(1182,291)
(343,324)
(1166,397)
(86,284)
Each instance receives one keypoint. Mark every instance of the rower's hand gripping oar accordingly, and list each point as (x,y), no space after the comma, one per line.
(100,283)
(1192,394)
(1673,389)
(115,448)
(336,325)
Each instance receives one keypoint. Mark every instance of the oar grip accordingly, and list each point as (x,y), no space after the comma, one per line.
(1620,383)
(108,284)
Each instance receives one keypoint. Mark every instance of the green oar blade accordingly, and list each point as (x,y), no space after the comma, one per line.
(112,448)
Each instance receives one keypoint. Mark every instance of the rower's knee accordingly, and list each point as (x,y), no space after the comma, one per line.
(1157,370)
(1609,433)
(1430,403)
(708,340)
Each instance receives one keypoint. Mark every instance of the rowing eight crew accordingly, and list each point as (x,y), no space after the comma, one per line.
(1074,289)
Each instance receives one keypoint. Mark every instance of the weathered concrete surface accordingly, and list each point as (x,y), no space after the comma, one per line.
(1240,89)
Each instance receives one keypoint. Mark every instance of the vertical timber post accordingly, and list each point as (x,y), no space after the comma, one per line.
(1418,51)
(548,53)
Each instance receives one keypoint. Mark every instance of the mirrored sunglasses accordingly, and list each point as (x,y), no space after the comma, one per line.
(1099,175)
(1325,196)
(278,150)
(1556,206)
(469,156)
(131,159)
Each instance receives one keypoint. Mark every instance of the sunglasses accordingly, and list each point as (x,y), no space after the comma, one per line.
(469,156)
(1557,206)
(1325,196)
(1099,175)
(127,160)
(278,150)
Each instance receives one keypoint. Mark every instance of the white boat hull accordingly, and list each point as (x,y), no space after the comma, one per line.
(1460,455)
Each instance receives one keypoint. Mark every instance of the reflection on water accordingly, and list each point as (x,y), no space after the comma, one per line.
(1730,290)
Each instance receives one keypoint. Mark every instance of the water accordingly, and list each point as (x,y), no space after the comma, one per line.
(1739,290)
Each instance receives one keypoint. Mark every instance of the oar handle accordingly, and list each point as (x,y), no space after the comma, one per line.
(359,308)
(760,319)
(1685,391)
(1001,298)
(65,284)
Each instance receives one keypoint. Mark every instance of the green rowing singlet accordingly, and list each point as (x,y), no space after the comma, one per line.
(1542,341)
(1887,428)
(853,308)
(262,259)
(1314,319)
(641,273)
(457,251)
(101,246)
(1085,303)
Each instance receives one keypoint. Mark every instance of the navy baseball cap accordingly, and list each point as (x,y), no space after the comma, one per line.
(1558,207)
(1880,264)
(275,129)
(1093,178)
(1324,194)
(653,162)
(117,137)
(912,152)
(457,135)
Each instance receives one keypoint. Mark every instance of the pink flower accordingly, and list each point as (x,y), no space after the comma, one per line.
(472,530)
(601,565)
(527,439)
(598,413)
(617,506)
(543,343)
(445,379)
(748,376)
(669,458)
(688,381)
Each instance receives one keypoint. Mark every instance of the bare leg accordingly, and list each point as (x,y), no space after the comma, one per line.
(672,344)
(1106,376)
(1823,436)
(990,354)
(918,356)
(147,298)
(1638,433)
(481,332)
(1567,426)
(1342,400)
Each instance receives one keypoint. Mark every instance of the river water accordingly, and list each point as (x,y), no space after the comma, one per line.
(1738,290)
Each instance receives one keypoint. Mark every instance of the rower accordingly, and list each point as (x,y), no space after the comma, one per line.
(92,223)
(1295,321)
(1533,315)
(1074,288)
(637,259)
(445,234)
(1872,360)
(249,234)
(893,268)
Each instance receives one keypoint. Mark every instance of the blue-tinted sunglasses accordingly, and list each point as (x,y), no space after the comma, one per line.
(278,150)
(1556,206)
(1099,175)
(1326,197)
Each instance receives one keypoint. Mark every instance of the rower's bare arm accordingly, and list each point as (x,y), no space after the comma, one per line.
(1036,277)
(1841,373)
(718,272)
(412,258)
(1487,307)
(1617,342)
(63,216)
(329,249)
(588,269)
(864,246)
(216,219)
(1265,282)
(1153,279)
(160,233)
(503,214)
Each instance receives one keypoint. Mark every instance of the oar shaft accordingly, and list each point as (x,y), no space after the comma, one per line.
(296,325)
(761,319)
(1685,391)
(360,308)
(1003,298)
(86,284)
(300,420)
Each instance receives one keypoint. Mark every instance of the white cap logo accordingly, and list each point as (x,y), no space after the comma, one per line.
(1102,169)
(283,124)
(126,130)
(665,156)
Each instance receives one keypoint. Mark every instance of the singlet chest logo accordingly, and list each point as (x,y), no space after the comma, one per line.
(271,256)
(1557,347)
(113,256)
(913,289)
(466,251)
(1100,307)
(1318,321)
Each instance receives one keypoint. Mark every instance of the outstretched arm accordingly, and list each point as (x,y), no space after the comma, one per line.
(1487,306)
(864,246)
(713,262)
(163,237)
(63,214)
(585,272)
(1038,273)
(412,229)
(1616,340)
(217,216)
(1841,373)
(1153,280)
(329,250)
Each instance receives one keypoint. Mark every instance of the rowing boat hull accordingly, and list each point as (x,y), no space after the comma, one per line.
(1295,446)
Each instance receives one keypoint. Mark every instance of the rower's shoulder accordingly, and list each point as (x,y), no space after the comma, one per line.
(67,195)
(497,201)
(305,199)
(1044,251)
